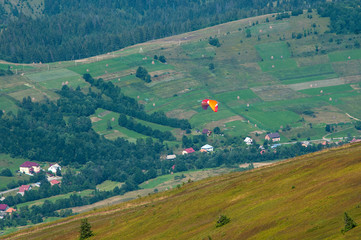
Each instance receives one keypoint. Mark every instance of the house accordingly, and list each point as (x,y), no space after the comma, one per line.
(54,167)
(54,182)
(248,141)
(206,131)
(3,207)
(208,148)
(24,188)
(188,150)
(10,210)
(275,137)
(306,143)
(171,157)
(29,167)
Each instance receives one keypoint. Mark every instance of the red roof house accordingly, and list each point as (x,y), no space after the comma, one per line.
(24,188)
(29,167)
(53,182)
(3,207)
(188,150)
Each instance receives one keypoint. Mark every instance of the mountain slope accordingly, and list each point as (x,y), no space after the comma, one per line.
(302,198)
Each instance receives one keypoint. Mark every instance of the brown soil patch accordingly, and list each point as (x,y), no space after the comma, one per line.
(95,119)
(224,121)
(256,164)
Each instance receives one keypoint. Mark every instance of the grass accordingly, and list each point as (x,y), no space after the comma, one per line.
(343,56)
(54,198)
(7,104)
(108,185)
(273,51)
(294,199)
(13,164)
(327,90)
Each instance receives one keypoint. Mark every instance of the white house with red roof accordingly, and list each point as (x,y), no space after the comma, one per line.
(188,150)
(30,167)
(24,188)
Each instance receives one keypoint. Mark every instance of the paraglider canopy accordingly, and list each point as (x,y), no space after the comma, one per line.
(212,103)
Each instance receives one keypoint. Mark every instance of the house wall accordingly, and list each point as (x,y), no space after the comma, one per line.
(24,170)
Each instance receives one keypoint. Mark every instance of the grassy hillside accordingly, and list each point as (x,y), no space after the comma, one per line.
(296,199)
(290,75)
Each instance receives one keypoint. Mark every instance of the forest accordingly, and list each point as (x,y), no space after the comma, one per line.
(69,30)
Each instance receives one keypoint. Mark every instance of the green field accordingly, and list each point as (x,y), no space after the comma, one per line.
(327,90)
(273,51)
(108,185)
(346,55)
(54,198)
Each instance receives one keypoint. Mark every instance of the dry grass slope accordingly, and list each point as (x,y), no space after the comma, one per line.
(301,198)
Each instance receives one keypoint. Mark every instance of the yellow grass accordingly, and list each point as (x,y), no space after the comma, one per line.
(301,198)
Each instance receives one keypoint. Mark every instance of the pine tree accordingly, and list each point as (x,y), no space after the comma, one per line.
(85,229)
(349,223)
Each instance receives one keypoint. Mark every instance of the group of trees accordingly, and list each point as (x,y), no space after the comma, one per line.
(143,74)
(131,124)
(62,32)
(345,16)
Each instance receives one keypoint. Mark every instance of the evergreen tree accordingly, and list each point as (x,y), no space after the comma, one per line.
(349,223)
(85,229)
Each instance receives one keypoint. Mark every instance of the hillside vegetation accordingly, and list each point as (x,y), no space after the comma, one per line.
(296,199)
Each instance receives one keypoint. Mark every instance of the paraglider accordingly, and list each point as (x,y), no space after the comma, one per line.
(212,103)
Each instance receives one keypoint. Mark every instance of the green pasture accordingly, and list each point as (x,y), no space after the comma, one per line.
(15,88)
(302,72)
(208,116)
(73,82)
(350,131)
(54,198)
(200,49)
(9,162)
(327,90)
(14,67)
(108,185)
(52,75)
(117,64)
(312,78)
(31,92)
(304,132)
(351,105)
(278,65)
(270,28)
(240,95)
(347,55)
(152,183)
(272,120)
(277,50)
(185,102)
(117,131)
(7,104)
(239,128)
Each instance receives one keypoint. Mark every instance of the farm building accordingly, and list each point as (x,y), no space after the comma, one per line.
(3,208)
(54,167)
(208,148)
(29,167)
(10,210)
(23,189)
(206,131)
(187,151)
(248,141)
(275,137)
(306,143)
(171,157)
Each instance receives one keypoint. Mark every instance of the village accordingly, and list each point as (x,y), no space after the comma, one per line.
(53,175)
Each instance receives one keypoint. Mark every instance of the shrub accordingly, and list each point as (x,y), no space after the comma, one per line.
(349,223)
(222,220)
